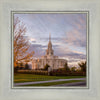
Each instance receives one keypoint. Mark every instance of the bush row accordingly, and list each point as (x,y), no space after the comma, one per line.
(58,72)
(37,72)
(67,73)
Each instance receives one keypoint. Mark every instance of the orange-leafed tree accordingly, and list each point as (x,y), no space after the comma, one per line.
(21,44)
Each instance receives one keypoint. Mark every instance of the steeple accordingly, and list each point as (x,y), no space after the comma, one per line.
(49,51)
(50,44)
(49,37)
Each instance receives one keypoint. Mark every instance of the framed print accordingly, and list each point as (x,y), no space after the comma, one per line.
(49,50)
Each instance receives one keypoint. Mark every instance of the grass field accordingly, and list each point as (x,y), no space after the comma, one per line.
(21,78)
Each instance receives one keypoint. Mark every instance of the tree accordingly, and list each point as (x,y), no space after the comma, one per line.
(21,44)
(27,66)
(21,65)
(46,67)
(78,69)
(66,67)
(82,66)
(73,69)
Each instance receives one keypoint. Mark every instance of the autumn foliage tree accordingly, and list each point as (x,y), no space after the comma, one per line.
(21,44)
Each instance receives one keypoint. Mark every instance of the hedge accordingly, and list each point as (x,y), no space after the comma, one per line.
(37,72)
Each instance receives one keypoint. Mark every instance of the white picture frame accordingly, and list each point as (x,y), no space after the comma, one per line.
(7,93)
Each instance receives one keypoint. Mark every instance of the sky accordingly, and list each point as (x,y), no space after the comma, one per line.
(68,34)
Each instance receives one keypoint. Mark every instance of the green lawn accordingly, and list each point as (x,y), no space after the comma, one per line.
(21,78)
(52,83)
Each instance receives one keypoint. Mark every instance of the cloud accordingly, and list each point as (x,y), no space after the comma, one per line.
(71,54)
(73,57)
(40,50)
(76,36)
(52,38)
(32,39)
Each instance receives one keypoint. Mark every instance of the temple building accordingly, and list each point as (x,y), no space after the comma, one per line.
(53,61)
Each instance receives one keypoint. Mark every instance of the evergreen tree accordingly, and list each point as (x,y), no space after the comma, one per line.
(73,69)
(46,67)
(66,67)
(27,66)
(83,66)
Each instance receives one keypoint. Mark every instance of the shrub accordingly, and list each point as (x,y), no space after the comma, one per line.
(46,67)
(66,67)
(61,72)
(36,72)
(16,69)
(27,66)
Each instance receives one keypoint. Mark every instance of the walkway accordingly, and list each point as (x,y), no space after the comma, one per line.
(72,84)
(39,82)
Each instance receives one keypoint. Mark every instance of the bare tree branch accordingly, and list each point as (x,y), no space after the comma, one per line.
(21,44)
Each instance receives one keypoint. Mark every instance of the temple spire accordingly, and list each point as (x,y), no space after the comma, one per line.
(49,37)
(49,51)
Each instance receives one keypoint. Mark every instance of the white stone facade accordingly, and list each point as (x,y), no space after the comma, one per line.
(53,61)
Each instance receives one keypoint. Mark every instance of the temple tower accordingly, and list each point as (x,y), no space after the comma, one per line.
(49,50)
